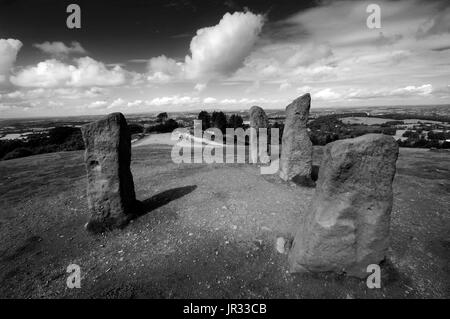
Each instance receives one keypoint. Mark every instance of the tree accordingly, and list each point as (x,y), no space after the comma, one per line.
(167,127)
(205,118)
(162,118)
(135,128)
(219,120)
(170,125)
(60,134)
(235,121)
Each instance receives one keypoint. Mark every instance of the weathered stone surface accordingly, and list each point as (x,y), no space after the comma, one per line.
(258,119)
(110,189)
(296,151)
(347,226)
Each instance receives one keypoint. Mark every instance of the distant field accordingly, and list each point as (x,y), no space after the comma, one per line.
(365,120)
(377,121)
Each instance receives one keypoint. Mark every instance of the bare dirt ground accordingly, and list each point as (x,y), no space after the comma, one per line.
(209,232)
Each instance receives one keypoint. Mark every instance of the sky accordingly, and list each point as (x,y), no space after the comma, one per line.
(139,56)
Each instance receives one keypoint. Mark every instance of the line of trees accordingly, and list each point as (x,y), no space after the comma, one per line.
(220,120)
(64,138)
(165,125)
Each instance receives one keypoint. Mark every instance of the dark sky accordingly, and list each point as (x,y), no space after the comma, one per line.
(142,28)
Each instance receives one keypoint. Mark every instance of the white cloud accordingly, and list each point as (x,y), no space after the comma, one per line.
(55,103)
(287,61)
(173,100)
(117,103)
(15,95)
(53,73)
(54,95)
(228,101)
(344,93)
(59,49)
(425,89)
(214,51)
(200,87)
(8,54)
(285,86)
(245,102)
(389,58)
(330,45)
(326,94)
(97,104)
(163,69)
(135,103)
(221,49)
(209,100)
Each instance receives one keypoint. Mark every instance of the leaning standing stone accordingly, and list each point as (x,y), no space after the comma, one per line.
(347,226)
(296,152)
(110,189)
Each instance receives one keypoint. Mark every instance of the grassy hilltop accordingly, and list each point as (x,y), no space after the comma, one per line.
(209,231)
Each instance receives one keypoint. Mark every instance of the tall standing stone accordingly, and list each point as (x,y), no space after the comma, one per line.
(258,119)
(347,226)
(296,151)
(110,189)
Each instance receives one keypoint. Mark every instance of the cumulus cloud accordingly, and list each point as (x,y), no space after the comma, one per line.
(410,91)
(8,54)
(214,51)
(135,103)
(163,69)
(389,57)
(97,104)
(209,100)
(15,95)
(285,86)
(221,49)
(245,102)
(173,100)
(286,61)
(54,73)
(199,87)
(119,102)
(326,94)
(59,49)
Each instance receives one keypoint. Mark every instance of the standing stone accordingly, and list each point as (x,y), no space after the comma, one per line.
(296,151)
(110,189)
(258,119)
(347,226)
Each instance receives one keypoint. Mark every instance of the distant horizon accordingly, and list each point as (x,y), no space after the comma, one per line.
(222,110)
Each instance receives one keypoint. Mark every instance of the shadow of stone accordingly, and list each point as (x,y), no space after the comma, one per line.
(390,275)
(161,199)
(304,181)
(315,172)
